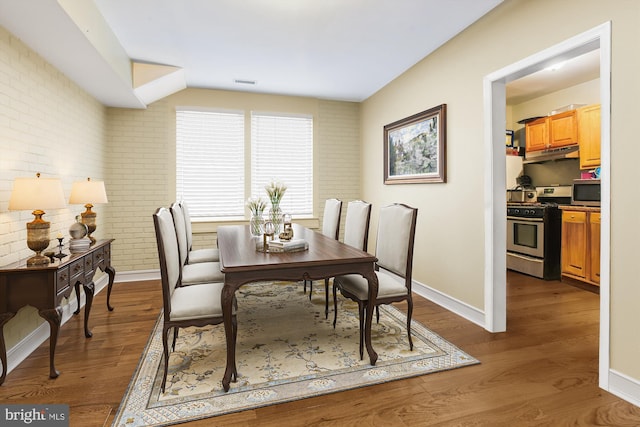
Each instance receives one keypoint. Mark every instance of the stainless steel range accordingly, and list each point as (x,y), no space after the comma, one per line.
(534,233)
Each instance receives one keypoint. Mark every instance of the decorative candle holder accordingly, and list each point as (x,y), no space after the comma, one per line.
(60,255)
(269,230)
(287,232)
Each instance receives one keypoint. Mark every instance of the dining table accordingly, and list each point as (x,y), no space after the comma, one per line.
(242,263)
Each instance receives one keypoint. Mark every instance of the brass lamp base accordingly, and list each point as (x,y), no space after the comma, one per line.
(89,219)
(38,239)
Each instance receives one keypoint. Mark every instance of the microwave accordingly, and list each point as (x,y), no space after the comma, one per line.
(585,192)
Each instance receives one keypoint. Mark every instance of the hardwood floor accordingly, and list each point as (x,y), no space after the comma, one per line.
(542,372)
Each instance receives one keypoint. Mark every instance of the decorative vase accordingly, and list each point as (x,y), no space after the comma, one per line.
(78,229)
(275,216)
(256,224)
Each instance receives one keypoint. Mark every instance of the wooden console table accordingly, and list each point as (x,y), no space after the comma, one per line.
(44,287)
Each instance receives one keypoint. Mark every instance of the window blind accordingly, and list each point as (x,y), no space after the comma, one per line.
(282,150)
(210,162)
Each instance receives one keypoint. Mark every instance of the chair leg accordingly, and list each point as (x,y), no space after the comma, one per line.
(377,314)
(175,337)
(361,315)
(310,289)
(304,289)
(409,313)
(335,304)
(234,324)
(326,298)
(165,347)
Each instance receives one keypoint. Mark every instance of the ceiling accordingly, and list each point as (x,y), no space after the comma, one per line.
(330,49)
(131,53)
(574,71)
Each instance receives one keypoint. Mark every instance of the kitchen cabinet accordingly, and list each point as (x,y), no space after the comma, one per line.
(589,136)
(537,134)
(559,130)
(580,247)
(594,247)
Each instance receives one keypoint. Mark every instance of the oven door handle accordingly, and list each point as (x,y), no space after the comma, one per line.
(514,218)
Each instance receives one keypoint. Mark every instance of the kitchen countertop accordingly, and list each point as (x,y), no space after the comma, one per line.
(579,208)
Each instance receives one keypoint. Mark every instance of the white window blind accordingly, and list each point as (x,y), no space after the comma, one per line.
(210,162)
(282,150)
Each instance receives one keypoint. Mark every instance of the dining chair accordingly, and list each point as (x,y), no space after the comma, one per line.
(394,250)
(356,234)
(200,272)
(195,305)
(330,228)
(196,255)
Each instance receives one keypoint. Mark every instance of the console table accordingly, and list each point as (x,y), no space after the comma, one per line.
(44,287)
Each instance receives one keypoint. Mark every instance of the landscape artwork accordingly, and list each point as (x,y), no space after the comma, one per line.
(414,148)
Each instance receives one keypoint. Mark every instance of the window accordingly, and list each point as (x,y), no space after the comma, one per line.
(282,150)
(210,160)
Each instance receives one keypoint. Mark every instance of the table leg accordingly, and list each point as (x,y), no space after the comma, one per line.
(54,317)
(112,274)
(89,290)
(227,314)
(77,288)
(4,318)
(373,294)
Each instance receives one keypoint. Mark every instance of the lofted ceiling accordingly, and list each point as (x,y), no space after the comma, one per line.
(330,49)
(129,53)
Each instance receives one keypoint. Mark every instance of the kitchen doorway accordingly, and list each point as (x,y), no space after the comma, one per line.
(495,197)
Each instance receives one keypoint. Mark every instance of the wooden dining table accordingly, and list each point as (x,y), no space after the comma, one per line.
(241,263)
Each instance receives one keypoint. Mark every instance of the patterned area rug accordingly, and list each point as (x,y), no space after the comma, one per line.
(286,350)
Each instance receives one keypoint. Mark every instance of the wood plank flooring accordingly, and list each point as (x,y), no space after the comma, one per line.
(542,372)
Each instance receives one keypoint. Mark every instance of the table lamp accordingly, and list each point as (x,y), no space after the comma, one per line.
(88,193)
(37,194)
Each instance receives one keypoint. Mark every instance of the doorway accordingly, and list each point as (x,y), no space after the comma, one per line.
(495,196)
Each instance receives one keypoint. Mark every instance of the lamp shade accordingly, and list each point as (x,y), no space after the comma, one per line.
(36,193)
(88,192)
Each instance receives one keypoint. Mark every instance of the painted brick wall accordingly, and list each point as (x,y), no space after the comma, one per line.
(47,125)
(142,164)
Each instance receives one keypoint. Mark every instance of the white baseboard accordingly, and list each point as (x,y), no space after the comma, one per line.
(624,387)
(26,346)
(137,276)
(456,306)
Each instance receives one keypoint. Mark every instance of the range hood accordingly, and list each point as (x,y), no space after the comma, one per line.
(569,152)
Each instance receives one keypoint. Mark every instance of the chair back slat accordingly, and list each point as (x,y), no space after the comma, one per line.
(331,218)
(168,254)
(181,232)
(356,225)
(187,224)
(396,233)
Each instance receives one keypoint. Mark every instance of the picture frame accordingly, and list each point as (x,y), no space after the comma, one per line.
(414,148)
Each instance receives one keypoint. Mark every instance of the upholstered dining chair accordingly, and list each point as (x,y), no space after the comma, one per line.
(394,250)
(195,305)
(356,234)
(330,228)
(196,255)
(200,272)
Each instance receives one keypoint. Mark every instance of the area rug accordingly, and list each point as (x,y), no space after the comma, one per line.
(286,350)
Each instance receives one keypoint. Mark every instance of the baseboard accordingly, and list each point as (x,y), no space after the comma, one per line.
(137,276)
(26,346)
(456,306)
(624,387)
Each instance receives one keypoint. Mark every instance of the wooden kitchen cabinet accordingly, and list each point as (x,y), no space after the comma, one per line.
(594,247)
(563,129)
(580,247)
(574,243)
(559,130)
(589,136)
(537,134)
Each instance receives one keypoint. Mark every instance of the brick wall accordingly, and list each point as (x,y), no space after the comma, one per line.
(47,125)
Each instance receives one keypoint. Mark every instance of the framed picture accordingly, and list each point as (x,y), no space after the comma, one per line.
(414,148)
